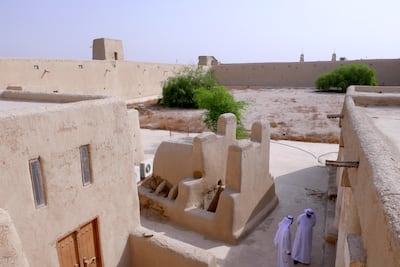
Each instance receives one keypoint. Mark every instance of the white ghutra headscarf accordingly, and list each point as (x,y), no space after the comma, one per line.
(282,227)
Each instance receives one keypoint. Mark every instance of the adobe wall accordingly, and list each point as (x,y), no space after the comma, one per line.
(139,80)
(125,79)
(297,74)
(370,200)
(11,253)
(152,249)
(55,133)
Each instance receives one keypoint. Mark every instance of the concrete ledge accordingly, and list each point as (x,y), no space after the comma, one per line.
(152,249)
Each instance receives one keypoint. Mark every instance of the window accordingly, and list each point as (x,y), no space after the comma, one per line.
(115,55)
(85,165)
(37,182)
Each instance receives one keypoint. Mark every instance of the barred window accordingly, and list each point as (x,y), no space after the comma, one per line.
(37,182)
(85,165)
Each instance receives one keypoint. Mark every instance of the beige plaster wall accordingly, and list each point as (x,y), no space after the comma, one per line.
(55,133)
(134,130)
(297,74)
(152,249)
(11,252)
(173,163)
(125,79)
(374,184)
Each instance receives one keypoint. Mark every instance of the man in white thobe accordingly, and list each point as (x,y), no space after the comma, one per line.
(301,252)
(283,241)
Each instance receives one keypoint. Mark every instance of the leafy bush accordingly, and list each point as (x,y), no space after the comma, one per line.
(179,90)
(218,101)
(346,75)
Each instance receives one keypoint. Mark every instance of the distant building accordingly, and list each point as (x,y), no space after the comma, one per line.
(333,57)
(208,61)
(107,49)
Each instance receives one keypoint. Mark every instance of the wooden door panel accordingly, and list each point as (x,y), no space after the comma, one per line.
(80,248)
(87,245)
(68,251)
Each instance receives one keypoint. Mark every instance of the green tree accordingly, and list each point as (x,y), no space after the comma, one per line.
(178,91)
(218,101)
(344,76)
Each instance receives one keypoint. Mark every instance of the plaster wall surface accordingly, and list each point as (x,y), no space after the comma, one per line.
(297,74)
(375,187)
(133,117)
(124,79)
(54,133)
(11,252)
(152,249)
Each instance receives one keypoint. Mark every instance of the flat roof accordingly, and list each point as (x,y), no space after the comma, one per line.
(386,119)
(6,105)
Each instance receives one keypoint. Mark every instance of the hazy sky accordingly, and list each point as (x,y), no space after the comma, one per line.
(170,31)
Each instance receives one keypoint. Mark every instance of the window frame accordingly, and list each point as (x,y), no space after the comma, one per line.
(37,181)
(86,166)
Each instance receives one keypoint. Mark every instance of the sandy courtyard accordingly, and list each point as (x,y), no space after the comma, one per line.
(293,114)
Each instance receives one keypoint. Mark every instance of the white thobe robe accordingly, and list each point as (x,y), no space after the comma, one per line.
(303,241)
(283,241)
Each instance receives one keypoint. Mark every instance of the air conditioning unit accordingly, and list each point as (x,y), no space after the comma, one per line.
(146,168)
(137,173)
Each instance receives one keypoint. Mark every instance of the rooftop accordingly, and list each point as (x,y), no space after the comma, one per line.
(387,121)
(7,105)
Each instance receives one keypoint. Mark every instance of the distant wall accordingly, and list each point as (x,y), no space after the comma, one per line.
(297,74)
(125,79)
(139,80)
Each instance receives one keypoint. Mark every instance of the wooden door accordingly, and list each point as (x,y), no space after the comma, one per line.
(88,245)
(68,251)
(80,248)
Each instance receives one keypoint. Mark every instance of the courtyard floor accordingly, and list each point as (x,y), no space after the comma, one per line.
(301,181)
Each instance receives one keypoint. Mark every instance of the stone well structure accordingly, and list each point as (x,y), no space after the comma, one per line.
(214,184)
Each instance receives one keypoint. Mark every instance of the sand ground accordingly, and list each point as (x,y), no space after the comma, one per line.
(297,114)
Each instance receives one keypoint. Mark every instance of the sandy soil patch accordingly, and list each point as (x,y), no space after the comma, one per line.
(293,114)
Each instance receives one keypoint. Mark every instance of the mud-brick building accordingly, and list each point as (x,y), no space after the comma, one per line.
(64,198)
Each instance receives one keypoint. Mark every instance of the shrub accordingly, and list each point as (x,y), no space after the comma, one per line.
(218,101)
(346,75)
(178,91)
